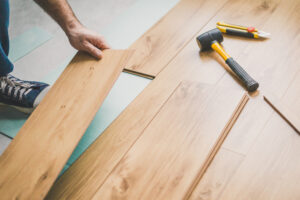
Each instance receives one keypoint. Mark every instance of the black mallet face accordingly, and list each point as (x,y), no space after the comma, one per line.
(205,40)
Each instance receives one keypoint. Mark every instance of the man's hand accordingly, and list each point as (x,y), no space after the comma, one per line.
(84,39)
(80,37)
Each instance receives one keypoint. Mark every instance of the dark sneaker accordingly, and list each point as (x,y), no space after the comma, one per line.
(25,96)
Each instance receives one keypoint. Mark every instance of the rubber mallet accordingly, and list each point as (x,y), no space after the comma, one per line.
(211,40)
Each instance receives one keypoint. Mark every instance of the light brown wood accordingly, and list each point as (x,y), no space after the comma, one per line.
(169,36)
(292,96)
(82,179)
(169,156)
(269,144)
(265,60)
(115,141)
(251,121)
(271,168)
(285,112)
(33,160)
(217,176)
(272,62)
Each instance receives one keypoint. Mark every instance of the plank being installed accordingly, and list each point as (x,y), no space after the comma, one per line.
(166,38)
(32,163)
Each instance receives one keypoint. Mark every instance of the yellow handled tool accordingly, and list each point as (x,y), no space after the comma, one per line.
(250,32)
(211,40)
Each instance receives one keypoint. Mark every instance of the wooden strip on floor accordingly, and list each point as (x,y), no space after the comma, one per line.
(164,40)
(35,157)
(170,154)
(285,112)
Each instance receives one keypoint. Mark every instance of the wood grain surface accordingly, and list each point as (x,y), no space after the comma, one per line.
(271,168)
(274,63)
(217,175)
(81,180)
(169,156)
(33,160)
(168,37)
(77,182)
(261,58)
(265,174)
(115,140)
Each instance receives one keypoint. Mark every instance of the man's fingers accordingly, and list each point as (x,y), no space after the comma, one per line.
(100,42)
(94,51)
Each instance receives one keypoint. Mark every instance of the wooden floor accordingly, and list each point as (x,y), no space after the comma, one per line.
(194,133)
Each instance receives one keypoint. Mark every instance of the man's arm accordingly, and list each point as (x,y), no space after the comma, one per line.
(80,37)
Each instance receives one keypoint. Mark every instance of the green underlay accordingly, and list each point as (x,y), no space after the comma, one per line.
(27,42)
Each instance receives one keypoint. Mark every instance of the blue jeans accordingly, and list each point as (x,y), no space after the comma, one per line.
(5,65)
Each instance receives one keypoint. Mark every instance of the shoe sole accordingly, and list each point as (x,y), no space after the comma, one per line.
(21,109)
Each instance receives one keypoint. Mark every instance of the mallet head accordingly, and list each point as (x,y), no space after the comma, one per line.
(206,39)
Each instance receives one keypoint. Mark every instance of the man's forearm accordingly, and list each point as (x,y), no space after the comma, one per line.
(61,12)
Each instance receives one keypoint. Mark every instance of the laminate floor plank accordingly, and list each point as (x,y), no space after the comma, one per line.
(116,141)
(78,182)
(250,123)
(32,163)
(170,154)
(270,169)
(292,96)
(82,179)
(217,175)
(268,143)
(273,68)
(206,67)
(168,37)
